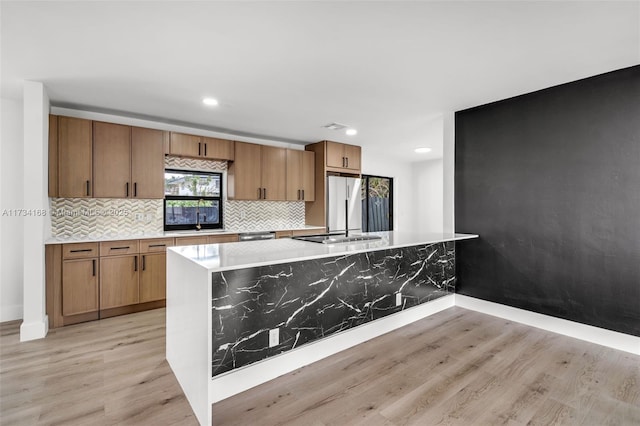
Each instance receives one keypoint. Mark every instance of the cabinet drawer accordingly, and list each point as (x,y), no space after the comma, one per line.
(284,234)
(79,250)
(299,232)
(116,248)
(216,239)
(156,245)
(191,241)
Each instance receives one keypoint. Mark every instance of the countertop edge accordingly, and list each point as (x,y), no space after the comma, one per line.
(454,237)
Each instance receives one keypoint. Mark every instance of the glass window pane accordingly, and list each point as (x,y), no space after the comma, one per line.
(185,212)
(191,184)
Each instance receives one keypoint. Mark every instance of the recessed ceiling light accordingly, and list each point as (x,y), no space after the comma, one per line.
(351,132)
(210,101)
(422,150)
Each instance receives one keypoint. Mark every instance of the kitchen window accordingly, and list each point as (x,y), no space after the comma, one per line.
(192,199)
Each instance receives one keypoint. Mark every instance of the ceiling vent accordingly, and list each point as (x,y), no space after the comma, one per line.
(334,126)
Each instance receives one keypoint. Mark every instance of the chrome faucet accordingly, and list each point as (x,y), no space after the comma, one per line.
(198,225)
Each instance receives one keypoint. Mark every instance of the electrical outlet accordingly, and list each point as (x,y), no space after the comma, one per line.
(139,217)
(398,299)
(274,337)
(243,214)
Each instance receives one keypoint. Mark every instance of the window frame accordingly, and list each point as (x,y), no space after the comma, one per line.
(188,226)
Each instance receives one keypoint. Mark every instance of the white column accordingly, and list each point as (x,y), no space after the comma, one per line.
(449,159)
(35,323)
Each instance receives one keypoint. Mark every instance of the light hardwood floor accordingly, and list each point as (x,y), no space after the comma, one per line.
(457,367)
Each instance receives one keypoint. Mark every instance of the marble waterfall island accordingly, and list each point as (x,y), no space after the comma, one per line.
(240,314)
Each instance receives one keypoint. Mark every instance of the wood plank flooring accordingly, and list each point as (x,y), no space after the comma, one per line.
(457,367)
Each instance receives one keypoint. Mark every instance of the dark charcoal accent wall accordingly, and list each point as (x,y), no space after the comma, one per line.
(312,299)
(551,183)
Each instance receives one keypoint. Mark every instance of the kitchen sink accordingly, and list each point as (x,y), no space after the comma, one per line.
(336,239)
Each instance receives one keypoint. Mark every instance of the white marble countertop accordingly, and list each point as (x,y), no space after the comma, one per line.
(220,257)
(168,234)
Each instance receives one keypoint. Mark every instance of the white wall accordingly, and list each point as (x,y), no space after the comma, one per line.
(374,163)
(11,227)
(428,195)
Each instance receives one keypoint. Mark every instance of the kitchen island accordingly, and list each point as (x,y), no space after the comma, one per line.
(240,314)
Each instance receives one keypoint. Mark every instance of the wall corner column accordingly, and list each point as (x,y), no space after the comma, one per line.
(36,223)
(448,169)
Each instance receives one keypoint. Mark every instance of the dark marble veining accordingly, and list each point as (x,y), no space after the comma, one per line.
(311,299)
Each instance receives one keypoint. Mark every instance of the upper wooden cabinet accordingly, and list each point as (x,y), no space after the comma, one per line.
(200,147)
(128,162)
(342,156)
(74,158)
(300,175)
(111,160)
(257,173)
(147,163)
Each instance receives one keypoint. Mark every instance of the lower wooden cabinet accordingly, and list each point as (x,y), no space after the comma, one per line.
(119,281)
(153,277)
(80,286)
(89,281)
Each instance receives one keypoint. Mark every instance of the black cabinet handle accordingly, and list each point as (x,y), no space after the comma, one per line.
(135,263)
(259,193)
(135,189)
(88,188)
(127,188)
(81,250)
(199,148)
(143,262)
(347,161)
(264,197)
(119,248)
(157,245)
(94,267)
(303,194)
(205,149)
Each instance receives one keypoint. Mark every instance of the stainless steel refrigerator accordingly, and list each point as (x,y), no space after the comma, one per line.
(344,202)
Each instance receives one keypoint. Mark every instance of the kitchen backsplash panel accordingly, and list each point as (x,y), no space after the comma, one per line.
(194,164)
(101,217)
(263,215)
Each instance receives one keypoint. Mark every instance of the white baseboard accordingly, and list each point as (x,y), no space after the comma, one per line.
(34,330)
(239,380)
(11,313)
(601,336)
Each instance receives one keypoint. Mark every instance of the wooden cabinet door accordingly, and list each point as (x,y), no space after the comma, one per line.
(74,157)
(147,163)
(153,277)
(294,175)
(53,156)
(79,286)
(308,175)
(111,160)
(335,155)
(274,173)
(185,145)
(119,279)
(217,149)
(352,154)
(245,172)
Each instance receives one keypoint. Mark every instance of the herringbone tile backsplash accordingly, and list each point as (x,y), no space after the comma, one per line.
(100,217)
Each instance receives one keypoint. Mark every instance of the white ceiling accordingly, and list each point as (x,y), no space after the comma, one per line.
(282,70)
